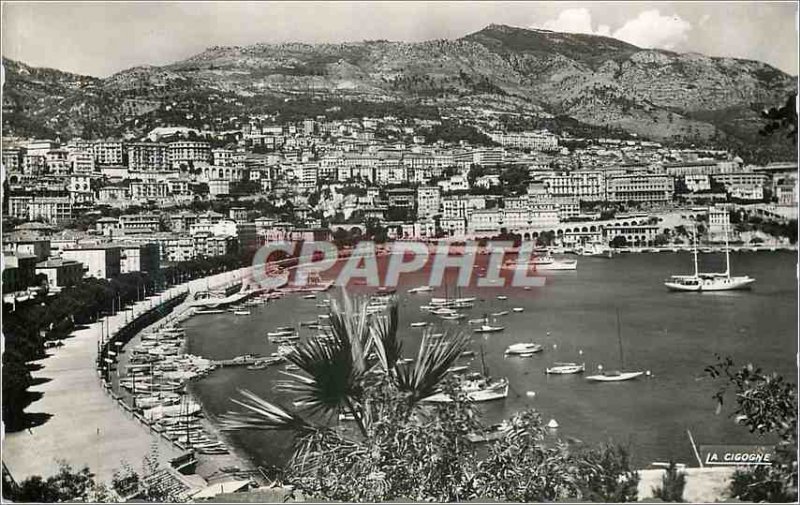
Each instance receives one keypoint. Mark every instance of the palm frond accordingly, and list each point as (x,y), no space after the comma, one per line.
(263,415)
(350,328)
(430,367)
(384,338)
(331,376)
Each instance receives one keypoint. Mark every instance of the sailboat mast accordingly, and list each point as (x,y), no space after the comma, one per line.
(727,253)
(483,364)
(694,242)
(619,338)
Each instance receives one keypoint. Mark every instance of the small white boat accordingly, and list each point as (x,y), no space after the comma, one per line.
(449,301)
(480,320)
(524,349)
(498,314)
(209,311)
(518,309)
(420,289)
(280,333)
(311,296)
(419,324)
(486,328)
(241,312)
(453,317)
(614,376)
(502,297)
(551,264)
(565,368)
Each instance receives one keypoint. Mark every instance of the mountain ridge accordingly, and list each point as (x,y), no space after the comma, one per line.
(597,80)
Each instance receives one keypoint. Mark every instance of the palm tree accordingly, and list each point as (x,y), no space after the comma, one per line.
(341,373)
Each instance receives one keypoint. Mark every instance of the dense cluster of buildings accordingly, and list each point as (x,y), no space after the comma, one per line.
(340,175)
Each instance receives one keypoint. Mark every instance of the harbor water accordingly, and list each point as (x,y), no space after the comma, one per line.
(672,335)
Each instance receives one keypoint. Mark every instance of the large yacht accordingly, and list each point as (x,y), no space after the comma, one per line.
(714,281)
(545,261)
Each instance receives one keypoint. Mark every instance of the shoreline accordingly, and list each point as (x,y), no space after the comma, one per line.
(210,467)
(100,424)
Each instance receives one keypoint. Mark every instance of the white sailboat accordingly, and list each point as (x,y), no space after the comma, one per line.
(616,375)
(700,281)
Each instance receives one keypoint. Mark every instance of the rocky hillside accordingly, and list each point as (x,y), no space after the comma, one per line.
(595,80)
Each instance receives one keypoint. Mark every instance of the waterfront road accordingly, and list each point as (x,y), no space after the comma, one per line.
(87,426)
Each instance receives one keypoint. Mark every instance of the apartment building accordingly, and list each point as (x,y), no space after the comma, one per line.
(50,209)
(101,261)
(60,272)
(139,223)
(185,153)
(460,206)
(585,185)
(535,141)
(148,157)
(140,258)
(105,153)
(57,162)
(12,159)
(222,157)
(429,201)
(148,190)
(635,235)
(81,162)
(640,188)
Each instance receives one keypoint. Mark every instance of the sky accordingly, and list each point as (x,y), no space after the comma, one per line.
(101,38)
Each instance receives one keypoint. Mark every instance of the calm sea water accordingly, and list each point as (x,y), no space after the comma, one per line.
(674,335)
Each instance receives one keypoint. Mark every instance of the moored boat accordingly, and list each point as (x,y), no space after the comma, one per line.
(486,328)
(614,376)
(700,282)
(565,368)
(523,349)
